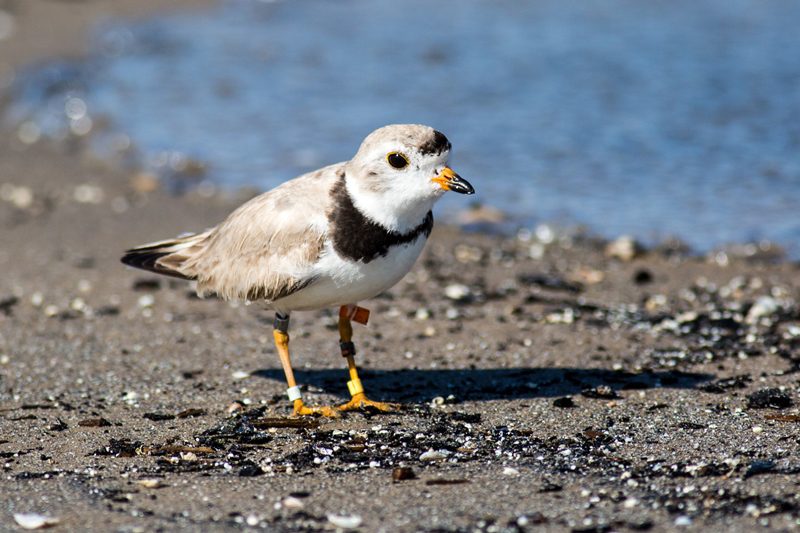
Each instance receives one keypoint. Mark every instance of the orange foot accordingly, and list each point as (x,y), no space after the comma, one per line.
(360,401)
(322,410)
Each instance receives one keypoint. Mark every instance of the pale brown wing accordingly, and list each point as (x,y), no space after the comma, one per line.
(265,249)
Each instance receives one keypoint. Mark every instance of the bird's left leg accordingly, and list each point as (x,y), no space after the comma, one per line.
(281,334)
(359,399)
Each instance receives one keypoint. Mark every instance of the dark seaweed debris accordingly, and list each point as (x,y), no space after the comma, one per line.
(600,392)
(241,429)
(119,448)
(7,303)
(191,413)
(158,417)
(722,385)
(94,423)
(250,469)
(565,402)
(58,425)
(446,441)
(769,398)
(552,282)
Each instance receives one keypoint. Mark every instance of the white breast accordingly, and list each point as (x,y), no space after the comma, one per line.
(342,281)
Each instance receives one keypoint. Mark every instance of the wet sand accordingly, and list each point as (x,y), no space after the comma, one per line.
(546,384)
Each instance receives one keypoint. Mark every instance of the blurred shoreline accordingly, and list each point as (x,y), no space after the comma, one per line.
(40,30)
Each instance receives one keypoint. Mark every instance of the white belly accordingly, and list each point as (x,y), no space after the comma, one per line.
(341,282)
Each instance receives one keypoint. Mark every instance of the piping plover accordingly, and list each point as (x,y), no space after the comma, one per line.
(332,237)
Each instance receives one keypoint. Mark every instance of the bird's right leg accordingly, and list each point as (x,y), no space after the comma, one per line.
(281,334)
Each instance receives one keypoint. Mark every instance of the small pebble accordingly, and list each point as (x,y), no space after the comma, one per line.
(433,455)
(234,407)
(34,520)
(567,316)
(403,473)
(345,521)
(457,292)
(763,307)
(290,502)
(624,248)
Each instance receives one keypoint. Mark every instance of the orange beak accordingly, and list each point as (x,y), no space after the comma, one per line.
(450,181)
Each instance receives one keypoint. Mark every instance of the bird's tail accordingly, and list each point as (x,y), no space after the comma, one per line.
(166,257)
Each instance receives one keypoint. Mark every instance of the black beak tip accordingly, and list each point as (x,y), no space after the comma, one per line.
(461,186)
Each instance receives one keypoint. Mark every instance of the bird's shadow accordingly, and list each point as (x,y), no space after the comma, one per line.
(408,385)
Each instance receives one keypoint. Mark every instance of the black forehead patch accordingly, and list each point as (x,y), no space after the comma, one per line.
(436,145)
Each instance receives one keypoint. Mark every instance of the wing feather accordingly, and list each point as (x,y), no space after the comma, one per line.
(265,250)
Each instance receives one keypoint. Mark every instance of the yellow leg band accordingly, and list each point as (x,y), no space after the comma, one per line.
(354,386)
(281,338)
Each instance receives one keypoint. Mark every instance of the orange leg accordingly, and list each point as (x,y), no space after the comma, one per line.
(359,400)
(281,335)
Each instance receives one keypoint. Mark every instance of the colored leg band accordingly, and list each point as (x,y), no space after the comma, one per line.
(281,338)
(281,323)
(355,313)
(354,386)
(348,348)
(294,393)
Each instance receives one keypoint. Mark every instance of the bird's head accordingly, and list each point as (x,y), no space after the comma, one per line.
(399,172)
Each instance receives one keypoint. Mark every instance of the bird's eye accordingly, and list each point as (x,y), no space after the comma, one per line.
(397,160)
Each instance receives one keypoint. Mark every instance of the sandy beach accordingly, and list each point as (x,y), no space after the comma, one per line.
(549,383)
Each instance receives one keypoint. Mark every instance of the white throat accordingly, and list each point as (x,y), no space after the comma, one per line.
(395,212)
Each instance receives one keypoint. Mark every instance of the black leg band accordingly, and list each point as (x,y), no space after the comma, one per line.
(281,323)
(348,348)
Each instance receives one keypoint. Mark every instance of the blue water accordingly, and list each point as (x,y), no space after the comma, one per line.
(658,118)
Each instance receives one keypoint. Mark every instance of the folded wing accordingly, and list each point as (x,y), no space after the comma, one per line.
(265,250)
